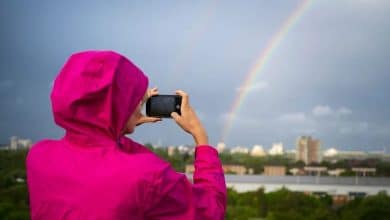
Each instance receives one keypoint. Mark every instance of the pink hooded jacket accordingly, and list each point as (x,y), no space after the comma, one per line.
(94,172)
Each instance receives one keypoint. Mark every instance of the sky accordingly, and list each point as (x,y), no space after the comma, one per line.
(326,74)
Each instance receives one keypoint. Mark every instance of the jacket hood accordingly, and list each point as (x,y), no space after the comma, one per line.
(95,94)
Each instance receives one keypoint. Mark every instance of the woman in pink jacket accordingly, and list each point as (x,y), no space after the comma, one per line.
(96,172)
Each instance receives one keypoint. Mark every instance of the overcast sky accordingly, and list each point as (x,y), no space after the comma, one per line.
(328,78)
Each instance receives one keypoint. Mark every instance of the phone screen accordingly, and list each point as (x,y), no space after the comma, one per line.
(163,105)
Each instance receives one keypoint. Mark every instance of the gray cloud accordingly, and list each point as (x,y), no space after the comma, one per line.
(6,84)
(322,110)
(325,110)
(296,117)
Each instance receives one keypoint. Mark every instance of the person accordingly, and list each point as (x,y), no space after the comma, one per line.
(96,172)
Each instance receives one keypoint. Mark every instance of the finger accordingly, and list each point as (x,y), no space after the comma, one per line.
(145,119)
(184,97)
(154,91)
(152,119)
(175,116)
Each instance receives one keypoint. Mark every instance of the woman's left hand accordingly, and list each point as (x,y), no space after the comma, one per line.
(146,119)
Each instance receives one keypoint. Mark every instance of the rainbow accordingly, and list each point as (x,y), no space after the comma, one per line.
(260,64)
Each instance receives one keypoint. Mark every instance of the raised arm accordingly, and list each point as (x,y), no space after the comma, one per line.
(175,197)
(172,196)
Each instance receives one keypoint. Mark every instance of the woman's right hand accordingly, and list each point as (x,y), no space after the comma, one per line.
(189,121)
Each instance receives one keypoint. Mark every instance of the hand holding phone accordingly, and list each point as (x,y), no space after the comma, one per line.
(178,107)
(189,121)
(146,119)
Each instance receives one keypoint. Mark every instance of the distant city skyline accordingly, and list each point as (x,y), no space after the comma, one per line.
(256,150)
(258,73)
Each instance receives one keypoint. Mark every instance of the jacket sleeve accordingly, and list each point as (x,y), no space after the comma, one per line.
(172,196)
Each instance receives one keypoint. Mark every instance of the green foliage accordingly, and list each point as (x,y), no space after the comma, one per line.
(284,205)
(371,207)
(383,168)
(13,194)
(284,201)
(240,212)
(348,173)
(299,164)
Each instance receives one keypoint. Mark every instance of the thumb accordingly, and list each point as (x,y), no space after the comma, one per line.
(175,116)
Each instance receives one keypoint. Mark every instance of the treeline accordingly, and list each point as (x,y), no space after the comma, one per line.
(13,190)
(287,205)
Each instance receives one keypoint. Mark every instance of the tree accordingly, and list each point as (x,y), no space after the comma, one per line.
(372,207)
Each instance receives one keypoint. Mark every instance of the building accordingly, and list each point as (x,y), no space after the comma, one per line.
(331,152)
(257,151)
(274,171)
(17,143)
(14,143)
(315,171)
(239,150)
(297,172)
(4,147)
(277,149)
(341,189)
(183,149)
(171,150)
(364,171)
(308,150)
(228,169)
(221,147)
(336,172)
(234,169)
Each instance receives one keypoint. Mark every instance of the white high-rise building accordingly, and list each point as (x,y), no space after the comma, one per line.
(14,143)
(171,150)
(331,152)
(19,143)
(257,151)
(183,149)
(277,149)
(239,149)
(221,147)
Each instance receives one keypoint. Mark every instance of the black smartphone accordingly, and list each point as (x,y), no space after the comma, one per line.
(163,105)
